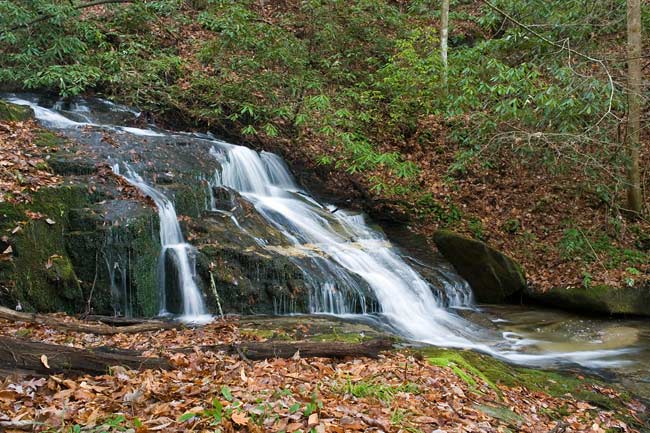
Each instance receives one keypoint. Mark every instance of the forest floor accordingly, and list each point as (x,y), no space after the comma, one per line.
(400,391)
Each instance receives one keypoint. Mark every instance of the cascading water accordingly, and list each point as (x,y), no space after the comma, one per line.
(351,268)
(354,262)
(174,245)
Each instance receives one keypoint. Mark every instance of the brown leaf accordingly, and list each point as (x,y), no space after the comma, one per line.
(239,418)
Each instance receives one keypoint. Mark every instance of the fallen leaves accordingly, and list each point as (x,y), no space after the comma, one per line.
(23,164)
(207,389)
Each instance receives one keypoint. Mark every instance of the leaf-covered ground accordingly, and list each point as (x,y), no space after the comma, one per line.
(208,391)
(23,163)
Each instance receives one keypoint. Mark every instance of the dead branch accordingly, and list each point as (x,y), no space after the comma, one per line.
(99,329)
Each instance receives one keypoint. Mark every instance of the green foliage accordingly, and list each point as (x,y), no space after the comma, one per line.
(376,390)
(576,244)
(113,424)
(357,78)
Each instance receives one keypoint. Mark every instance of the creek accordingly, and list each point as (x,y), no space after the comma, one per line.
(349,266)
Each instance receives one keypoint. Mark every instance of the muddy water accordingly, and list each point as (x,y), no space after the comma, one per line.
(543,331)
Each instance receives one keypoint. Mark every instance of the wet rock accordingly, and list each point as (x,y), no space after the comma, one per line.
(597,299)
(493,276)
(224,199)
(248,278)
(72,166)
(15,113)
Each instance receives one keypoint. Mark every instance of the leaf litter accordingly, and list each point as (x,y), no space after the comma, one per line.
(208,391)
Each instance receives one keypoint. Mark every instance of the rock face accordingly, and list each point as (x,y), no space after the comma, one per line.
(103,249)
(597,299)
(494,277)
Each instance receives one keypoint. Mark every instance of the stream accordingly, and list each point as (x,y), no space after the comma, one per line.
(352,269)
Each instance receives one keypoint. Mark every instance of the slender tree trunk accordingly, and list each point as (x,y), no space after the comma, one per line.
(634,103)
(444,36)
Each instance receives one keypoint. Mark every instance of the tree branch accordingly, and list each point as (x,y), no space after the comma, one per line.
(77,7)
(563,46)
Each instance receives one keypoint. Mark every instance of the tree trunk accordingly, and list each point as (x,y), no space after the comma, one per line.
(634,103)
(444,36)
(21,354)
(24,356)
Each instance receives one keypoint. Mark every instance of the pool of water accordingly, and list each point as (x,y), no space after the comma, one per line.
(548,331)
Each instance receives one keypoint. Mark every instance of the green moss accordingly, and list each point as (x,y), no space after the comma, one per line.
(14,113)
(502,413)
(41,273)
(44,277)
(554,383)
(494,277)
(598,299)
(462,368)
(145,247)
(340,337)
(189,200)
(267,334)
(47,139)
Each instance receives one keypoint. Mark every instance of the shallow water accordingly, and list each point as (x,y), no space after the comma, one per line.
(543,331)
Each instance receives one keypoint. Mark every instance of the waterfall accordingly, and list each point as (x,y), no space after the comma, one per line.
(351,259)
(172,244)
(350,267)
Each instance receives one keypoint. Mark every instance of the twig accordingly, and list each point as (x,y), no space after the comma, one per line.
(213,286)
(242,355)
(92,289)
(592,249)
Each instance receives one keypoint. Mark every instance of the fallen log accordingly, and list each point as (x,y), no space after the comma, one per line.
(43,358)
(258,350)
(116,321)
(99,328)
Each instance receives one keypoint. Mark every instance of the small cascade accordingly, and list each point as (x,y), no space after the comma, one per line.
(117,266)
(351,268)
(174,247)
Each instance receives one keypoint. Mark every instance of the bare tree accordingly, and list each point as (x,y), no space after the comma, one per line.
(634,103)
(444,36)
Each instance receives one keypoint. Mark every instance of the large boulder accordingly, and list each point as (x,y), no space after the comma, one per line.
(597,299)
(494,277)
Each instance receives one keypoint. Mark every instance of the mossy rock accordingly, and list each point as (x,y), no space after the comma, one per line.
(598,299)
(494,277)
(480,370)
(65,166)
(15,113)
(250,282)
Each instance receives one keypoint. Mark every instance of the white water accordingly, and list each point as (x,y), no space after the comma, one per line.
(353,258)
(357,258)
(173,243)
(352,268)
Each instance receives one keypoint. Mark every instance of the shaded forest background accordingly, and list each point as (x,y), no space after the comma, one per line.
(521,146)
